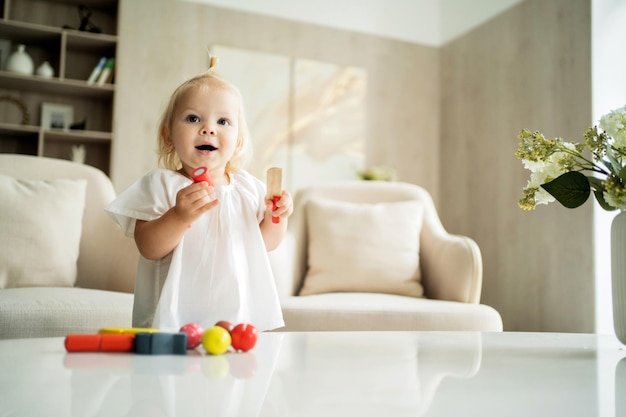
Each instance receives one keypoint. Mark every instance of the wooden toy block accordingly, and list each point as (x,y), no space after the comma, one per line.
(161,343)
(126,330)
(99,343)
(142,343)
(82,343)
(169,343)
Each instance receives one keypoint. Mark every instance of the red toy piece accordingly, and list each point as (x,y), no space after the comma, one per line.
(99,343)
(194,334)
(244,337)
(274,188)
(225,324)
(275,199)
(82,342)
(201,174)
(117,343)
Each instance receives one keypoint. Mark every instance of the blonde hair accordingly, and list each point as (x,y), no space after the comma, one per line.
(168,158)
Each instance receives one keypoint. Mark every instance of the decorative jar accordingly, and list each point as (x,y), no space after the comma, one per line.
(20,62)
(45,70)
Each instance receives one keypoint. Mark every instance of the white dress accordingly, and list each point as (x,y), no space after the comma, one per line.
(220,270)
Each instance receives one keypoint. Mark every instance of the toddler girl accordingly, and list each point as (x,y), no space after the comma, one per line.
(203,247)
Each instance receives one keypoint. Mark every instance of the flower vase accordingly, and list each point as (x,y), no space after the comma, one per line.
(618,274)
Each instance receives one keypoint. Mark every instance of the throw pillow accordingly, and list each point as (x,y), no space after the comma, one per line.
(41,224)
(363,247)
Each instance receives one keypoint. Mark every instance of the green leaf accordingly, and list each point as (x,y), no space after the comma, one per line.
(596,183)
(600,199)
(622,174)
(570,189)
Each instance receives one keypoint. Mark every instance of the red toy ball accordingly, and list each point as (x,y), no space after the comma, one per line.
(194,334)
(244,337)
(225,324)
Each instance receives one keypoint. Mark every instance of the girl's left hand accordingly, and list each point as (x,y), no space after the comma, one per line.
(284,206)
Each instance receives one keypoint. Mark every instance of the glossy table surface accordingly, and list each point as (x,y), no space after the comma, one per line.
(327,374)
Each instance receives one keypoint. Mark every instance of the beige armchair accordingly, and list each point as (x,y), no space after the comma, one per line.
(324,285)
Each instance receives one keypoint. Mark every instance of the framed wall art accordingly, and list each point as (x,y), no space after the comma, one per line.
(56,116)
(305,116)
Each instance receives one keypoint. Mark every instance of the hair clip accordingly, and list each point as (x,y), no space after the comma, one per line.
(212,60)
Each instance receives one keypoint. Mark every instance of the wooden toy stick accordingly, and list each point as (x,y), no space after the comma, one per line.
(274,188)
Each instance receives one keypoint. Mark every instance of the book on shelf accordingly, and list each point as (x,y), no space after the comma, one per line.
(97,70)
(107,72)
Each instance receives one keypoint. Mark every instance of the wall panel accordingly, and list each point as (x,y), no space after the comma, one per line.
(162,43)
(529,67)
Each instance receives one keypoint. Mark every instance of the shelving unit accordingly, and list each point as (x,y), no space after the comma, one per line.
(48,29)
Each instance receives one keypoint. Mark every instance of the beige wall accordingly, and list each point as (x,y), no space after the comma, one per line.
(446,118)
(529,67)
(162,42)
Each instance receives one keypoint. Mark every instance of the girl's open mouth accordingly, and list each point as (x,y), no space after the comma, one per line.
(206,148)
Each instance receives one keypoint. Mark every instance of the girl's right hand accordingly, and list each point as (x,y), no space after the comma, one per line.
(158,237)
(195,200)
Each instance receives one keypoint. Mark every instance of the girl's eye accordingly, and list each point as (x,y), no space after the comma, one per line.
(192,118)
(223,122)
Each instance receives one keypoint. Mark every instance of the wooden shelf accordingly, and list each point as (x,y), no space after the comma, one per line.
(17,130)
(48,30)
(33,83)
(33,32)
(55,134)
(82,136)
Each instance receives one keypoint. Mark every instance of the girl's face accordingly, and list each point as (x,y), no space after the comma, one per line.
(204,130)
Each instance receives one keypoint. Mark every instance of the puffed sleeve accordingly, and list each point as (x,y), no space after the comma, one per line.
(147,199)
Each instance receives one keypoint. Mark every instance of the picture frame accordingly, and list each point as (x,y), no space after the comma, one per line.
(5,51)
(56,116)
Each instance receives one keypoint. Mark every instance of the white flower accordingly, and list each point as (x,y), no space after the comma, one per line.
(614,125)
(537,178)
(606,164)
(549,169)
(543,197)
(612,201)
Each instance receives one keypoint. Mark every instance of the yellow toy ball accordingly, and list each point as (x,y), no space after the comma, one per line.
(216,340)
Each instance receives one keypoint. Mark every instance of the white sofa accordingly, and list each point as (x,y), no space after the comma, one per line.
(105,270)
(101,295)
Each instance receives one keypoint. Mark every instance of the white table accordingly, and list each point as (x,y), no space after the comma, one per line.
(327,374)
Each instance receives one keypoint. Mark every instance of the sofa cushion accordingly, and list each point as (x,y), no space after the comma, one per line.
(41,223)
(363,247)
(384,312)
(57,312)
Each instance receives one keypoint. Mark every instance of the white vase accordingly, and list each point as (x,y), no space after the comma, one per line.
(45,70)
(20,62)
(618,274)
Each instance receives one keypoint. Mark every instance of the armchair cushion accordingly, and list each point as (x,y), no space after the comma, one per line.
(41,223)
(363,247)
